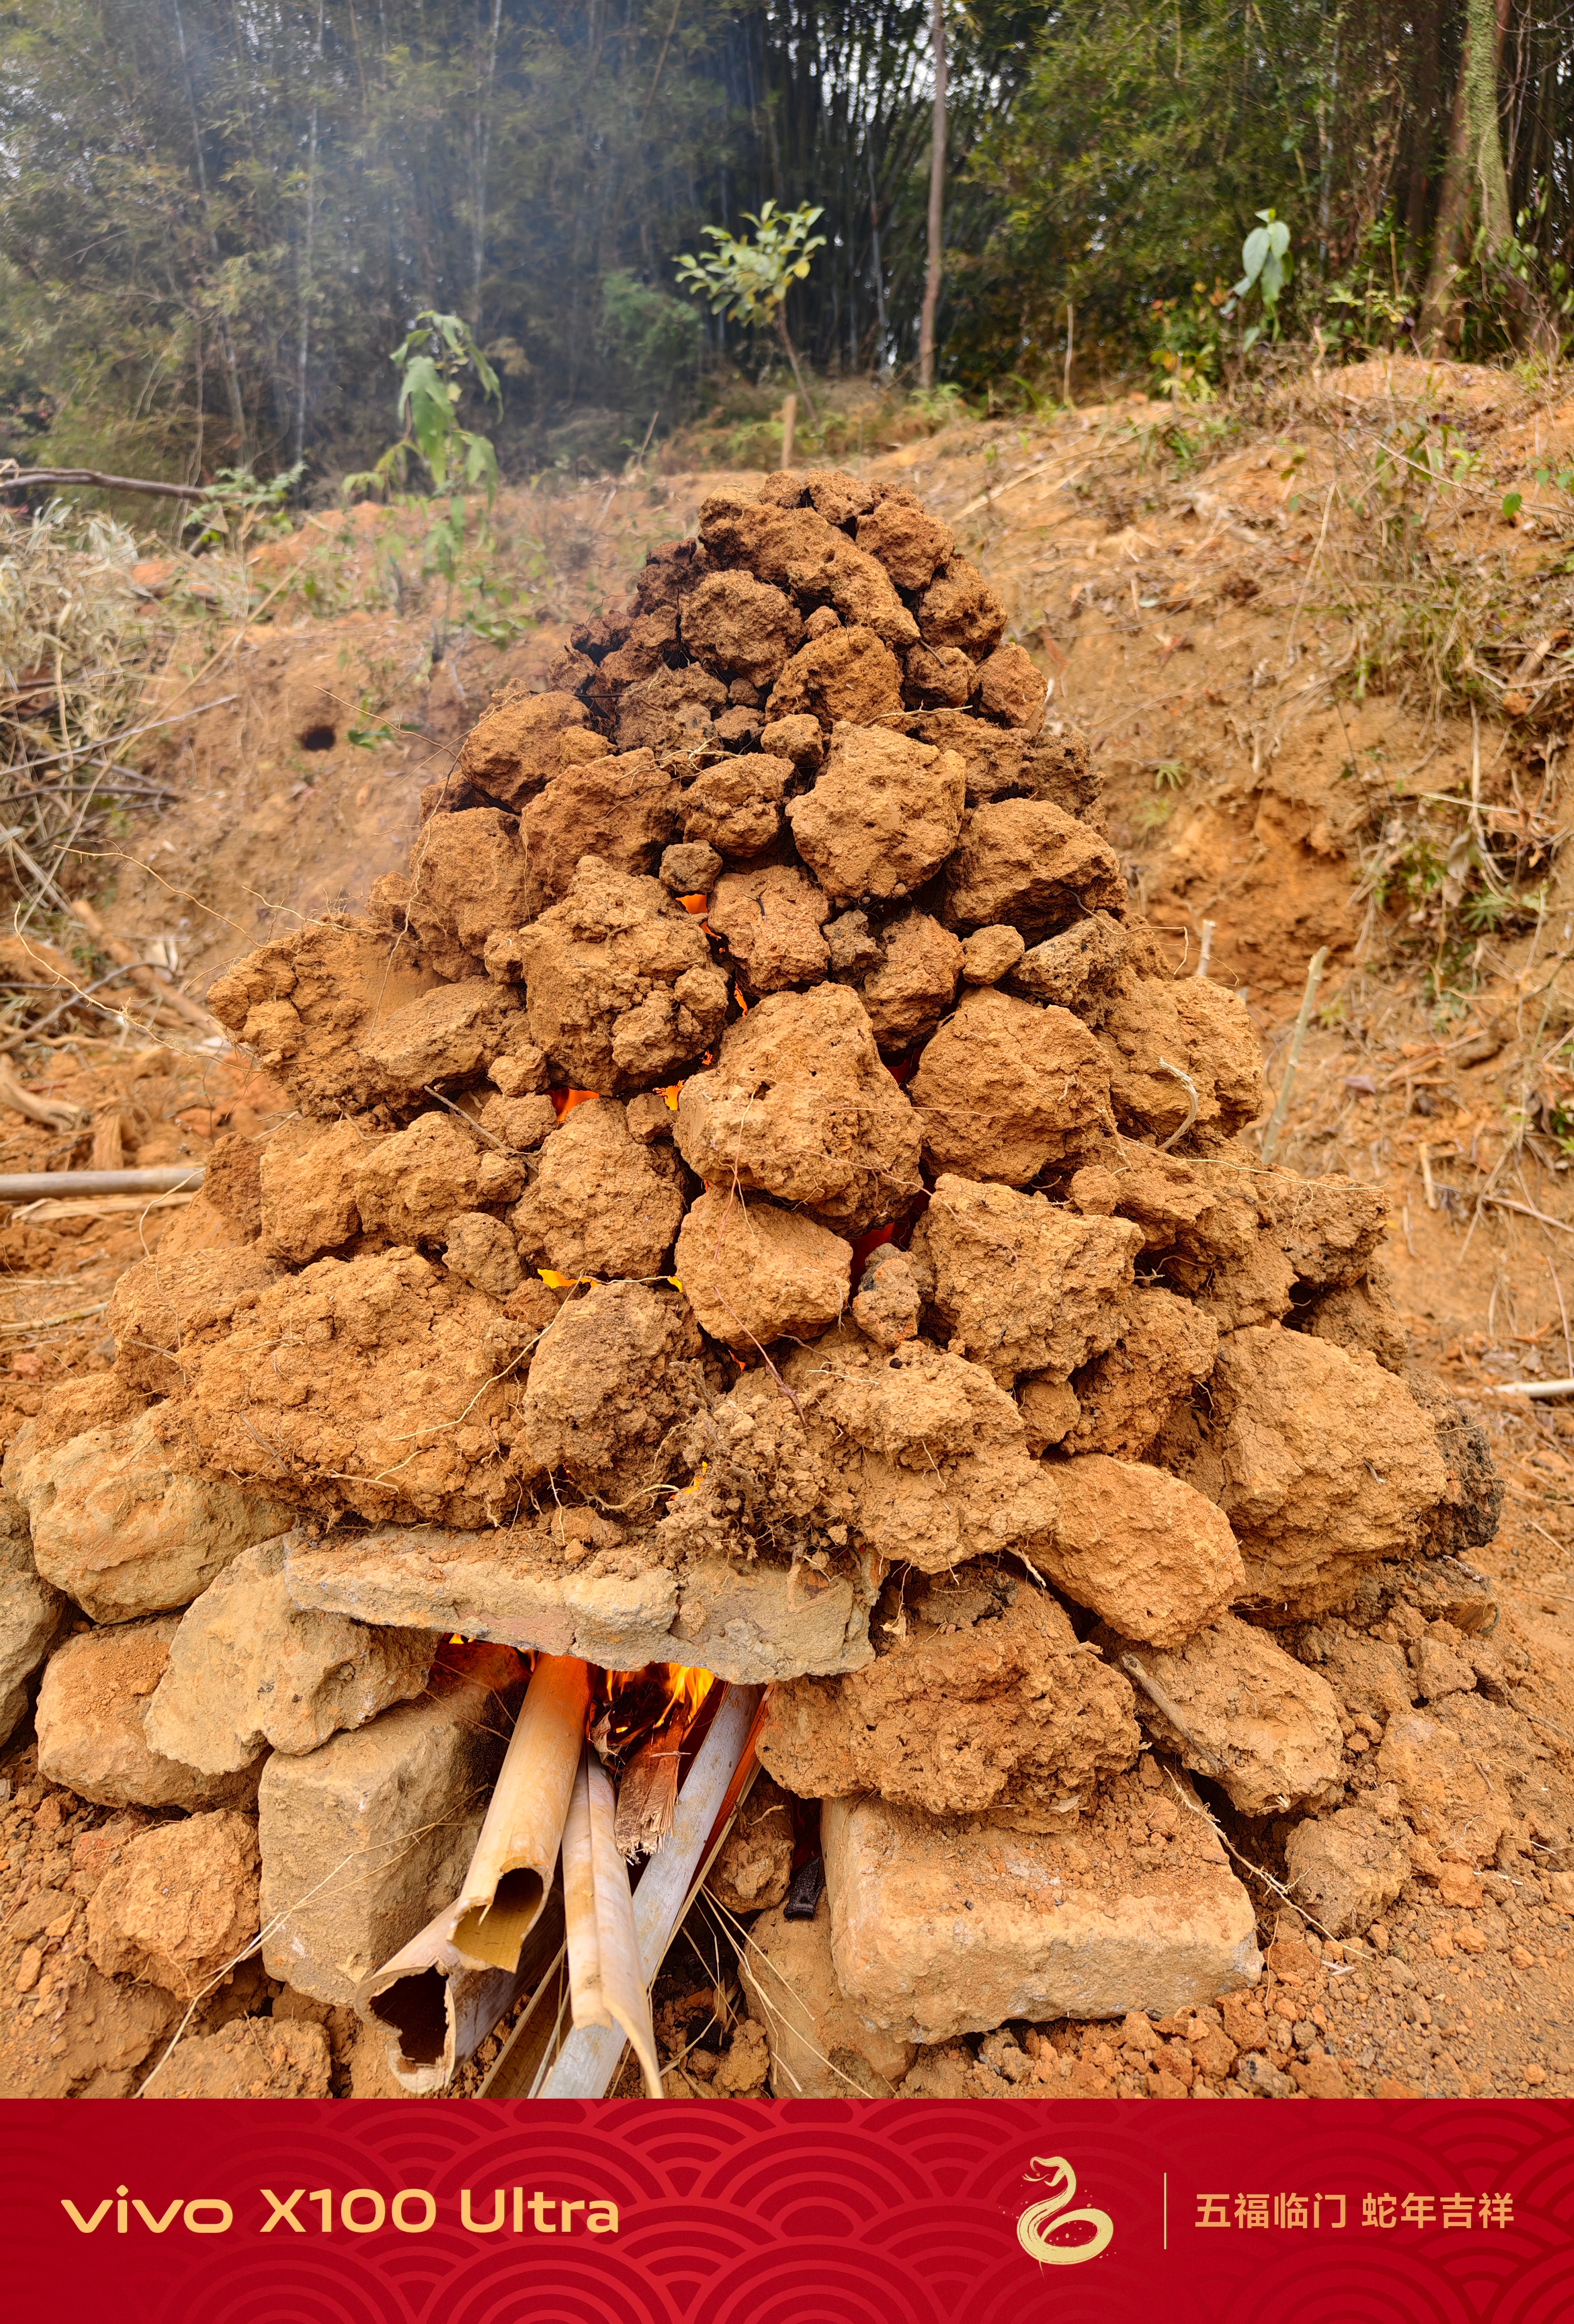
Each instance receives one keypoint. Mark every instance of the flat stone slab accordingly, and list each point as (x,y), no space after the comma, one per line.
(615,1607)
(942,1926)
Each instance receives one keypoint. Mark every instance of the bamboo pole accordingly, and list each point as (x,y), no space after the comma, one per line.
(505,1889)
(587,2062)
(437,2007)
(606,1978)
(32,1186)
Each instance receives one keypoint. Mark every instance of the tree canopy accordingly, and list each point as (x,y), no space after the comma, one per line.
(219,217)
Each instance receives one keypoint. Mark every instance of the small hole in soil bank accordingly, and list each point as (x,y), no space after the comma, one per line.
(318,738)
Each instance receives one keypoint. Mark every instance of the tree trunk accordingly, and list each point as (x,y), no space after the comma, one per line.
(483,148)
(792,355)
(1429,38)
(303,345)
(1475,182)
(936,203)
(237,411)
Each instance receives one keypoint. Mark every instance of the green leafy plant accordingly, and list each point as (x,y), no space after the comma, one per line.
(1185,350)
(651,343)
(436,355)
(1265,268)
(748,282)
(236,507)
(1375,307)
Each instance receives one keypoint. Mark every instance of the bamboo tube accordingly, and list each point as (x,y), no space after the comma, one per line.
(606,1978)
(587,2062)
(516,1855)
(437,2007)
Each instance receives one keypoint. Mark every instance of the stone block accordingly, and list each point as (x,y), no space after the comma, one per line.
(30,1612)
(820,2046)
(748,1624)
(247,1666)
(942,1927)
(92,1736)
(363,1838)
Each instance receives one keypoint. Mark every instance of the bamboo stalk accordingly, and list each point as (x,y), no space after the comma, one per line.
(437,2007)
(606,1978)
(585,2066)
(505,1889)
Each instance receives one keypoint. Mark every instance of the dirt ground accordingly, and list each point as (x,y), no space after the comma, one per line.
(1301,640)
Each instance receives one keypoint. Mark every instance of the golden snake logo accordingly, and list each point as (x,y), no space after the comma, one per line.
(1032,2228)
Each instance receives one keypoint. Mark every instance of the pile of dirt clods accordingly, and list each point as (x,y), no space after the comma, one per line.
(758,1197)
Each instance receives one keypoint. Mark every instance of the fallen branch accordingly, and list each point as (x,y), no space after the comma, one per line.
(13,479)
(47,1111)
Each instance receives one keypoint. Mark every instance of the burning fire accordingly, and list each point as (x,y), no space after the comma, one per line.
(631,1710)
(640,1723)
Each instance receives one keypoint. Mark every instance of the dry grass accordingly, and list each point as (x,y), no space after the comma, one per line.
(75,648)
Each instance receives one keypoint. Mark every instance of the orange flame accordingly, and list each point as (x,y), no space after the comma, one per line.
(565,1100)
(629,1709)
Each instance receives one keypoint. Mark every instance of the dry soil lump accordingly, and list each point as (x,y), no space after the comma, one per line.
(378,1384)
(980,1685)
(753,1272)
(624,810)
(621,990)
(453,1034)
(410,1186)
(738,627)
(799,1105)
(306,1004)
(612,1384)
(882,817)
(914,978)
(771,918)
(522,740)
(1004,1090)
(1324,1463)
(1140,1548)
(1165,1348)
(1246,1714)
(1021,1285)
(735,806)
(1027,863)
(797,550)
(604,1202)
(842,677)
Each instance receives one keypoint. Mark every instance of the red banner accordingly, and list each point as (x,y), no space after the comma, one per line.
(802,2213)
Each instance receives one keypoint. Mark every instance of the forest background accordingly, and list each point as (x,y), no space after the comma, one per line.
(218,218)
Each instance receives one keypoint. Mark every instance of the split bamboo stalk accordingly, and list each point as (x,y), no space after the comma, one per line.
(606,1979)
(516,1856)
(437,2008)
(587,2062)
